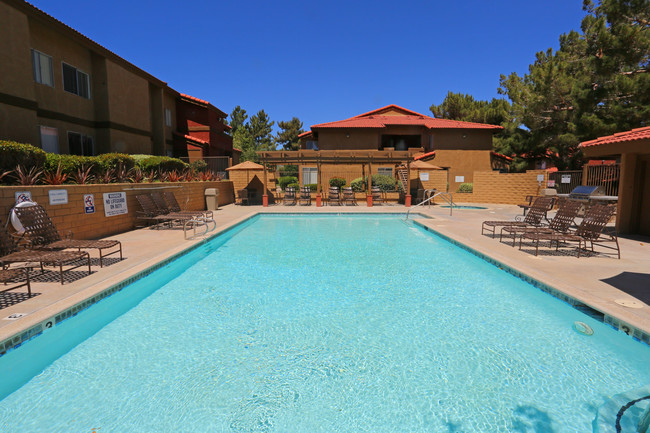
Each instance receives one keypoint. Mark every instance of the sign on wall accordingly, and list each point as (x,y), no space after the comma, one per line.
(551,184)
(540,178)
(460,179)
(89,203)
(58,196)
(115,203)
(22,196)
(424,176)
(566,178)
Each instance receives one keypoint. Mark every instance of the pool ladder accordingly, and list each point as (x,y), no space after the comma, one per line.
(199,222)
(442,194)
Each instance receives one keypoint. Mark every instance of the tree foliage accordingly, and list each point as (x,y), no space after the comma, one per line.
(238,119)
(251,135)
(287,137)
(261,130)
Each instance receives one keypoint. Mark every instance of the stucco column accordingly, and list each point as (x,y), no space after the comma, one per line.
(625,208)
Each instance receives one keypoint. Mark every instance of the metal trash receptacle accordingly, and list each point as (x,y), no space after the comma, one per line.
(211,199)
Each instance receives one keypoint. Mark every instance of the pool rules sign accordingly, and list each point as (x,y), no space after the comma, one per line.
(115,203)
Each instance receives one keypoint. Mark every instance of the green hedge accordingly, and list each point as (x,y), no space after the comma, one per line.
(13,154)
(70,164)
(466,187)
(161,163)
(338,182)
(284,181)
(115,161)
(199,166)
(385,183)
(312,186)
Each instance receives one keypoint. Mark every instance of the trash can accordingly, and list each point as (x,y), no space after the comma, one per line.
(211,199)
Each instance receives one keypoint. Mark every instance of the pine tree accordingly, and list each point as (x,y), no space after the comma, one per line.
(261,128)
(238,119)
(287,137)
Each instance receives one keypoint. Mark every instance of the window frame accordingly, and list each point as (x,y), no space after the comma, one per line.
(385,169)
(313,171)
(168,117)
(77,81)
(83,137)
(56,134)
(37,72)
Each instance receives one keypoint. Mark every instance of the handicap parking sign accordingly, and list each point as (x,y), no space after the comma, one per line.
(89,203)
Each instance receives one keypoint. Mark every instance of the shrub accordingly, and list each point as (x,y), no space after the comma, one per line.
(312,187)
(13,154)
(358,184)
(115,161)
(294,185)
(161,163)
(466,187)
(338,182)
(289,170)
(198,166)
(70,164)
(286,180)
(384,182)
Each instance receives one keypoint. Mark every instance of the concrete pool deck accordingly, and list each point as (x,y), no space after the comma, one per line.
(580,278)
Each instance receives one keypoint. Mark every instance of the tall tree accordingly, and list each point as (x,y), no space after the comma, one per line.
(261,128)
(238,119)
(243,141)
(287,137)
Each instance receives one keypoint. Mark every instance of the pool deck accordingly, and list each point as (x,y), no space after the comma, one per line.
(580,278)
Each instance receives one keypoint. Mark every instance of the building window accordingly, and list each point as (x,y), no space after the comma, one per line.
(386,171)
(168,117)
(312,145)
(309,176)
(49,139)
(79,144)
(42,65)
(75,81)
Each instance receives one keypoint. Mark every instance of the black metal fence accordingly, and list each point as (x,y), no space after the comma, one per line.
(565,181)
(217,164)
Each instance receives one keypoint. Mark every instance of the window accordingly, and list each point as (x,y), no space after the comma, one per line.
(79,144)
(312,145)
(309,175)
(49,139)
(42,65)
(386,171)
(75,81)
(168,117)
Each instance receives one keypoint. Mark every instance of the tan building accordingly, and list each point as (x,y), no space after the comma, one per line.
(632,149)
(459,147)
(67,94)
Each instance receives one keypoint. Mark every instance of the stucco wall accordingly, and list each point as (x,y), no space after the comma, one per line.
(71,216)
(336,139)
(462,163)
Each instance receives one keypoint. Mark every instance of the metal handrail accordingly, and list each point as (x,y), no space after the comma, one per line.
(199,222)
(446,195)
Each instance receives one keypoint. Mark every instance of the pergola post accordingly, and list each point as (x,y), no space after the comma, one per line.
(369,192)
(265,196)
(319,187)
(407,193)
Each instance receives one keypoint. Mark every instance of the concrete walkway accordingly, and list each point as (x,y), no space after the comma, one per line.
(581,278)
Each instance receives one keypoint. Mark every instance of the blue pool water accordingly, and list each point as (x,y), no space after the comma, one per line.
(321,324)
(464,207)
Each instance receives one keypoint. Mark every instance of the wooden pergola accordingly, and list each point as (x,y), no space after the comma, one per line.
(319,157)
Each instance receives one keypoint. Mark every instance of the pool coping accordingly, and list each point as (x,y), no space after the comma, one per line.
(41,320)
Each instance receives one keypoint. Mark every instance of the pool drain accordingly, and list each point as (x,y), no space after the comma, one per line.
(583,328)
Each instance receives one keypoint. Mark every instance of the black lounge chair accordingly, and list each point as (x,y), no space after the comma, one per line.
(305,196)
(348,196)
(151,213)
(167,203)
(41,233)
(242,197)
(377,198)
(334,196)
(289,196)
(534,217)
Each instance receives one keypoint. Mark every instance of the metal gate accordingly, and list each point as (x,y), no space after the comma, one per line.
(565,181)
(606,176)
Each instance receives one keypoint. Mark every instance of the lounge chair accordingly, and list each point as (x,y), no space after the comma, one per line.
(305,196)
(333,196)
(242,197)
(16,275)
(168,200)
(533,218)
(151,213)
(530,200)
(560,223)
(9,254)
(289,196)
(590,231)
(41,233)
(348,196)
(377,198)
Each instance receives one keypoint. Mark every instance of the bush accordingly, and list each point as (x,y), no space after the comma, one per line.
(338,182)
(70,164)
(312,187)
(294,185)
(289,170)
(115,161)
(160,163)
(466,187)
(198,166)
(13,154)
(384,182)
(286,180)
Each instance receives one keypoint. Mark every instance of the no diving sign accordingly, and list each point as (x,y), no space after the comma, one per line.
(89,203)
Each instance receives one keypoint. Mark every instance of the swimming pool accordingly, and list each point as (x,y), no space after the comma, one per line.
(322,323)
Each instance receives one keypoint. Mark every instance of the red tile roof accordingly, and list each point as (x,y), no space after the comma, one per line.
(202,103)
(378,119)
(500,155)
(633,135)
(424,155)
(190,138)
(304,134)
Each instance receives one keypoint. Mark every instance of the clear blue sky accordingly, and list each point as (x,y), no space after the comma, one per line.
(324,61)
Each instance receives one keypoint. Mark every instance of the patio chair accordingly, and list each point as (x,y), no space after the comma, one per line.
(377,198)
(419,196)
(533,218)
(41,233)
(168,199)
(289,196)
(9,254)
(333,196)
(560,223)
(151,213)
(348,196)
(305,196)
(530,199)
(17,275)
(590,231)
(242,197)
